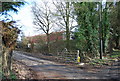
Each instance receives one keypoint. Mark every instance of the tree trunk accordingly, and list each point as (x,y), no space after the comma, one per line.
(117,42)
(48,43)
(103,46)
(5,57)
(100,31)
(6,62)
(67,27)
(111,45)
(105,28)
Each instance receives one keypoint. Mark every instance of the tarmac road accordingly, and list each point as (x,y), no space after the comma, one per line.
(45,69)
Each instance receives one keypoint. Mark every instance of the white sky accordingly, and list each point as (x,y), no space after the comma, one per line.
(25,16)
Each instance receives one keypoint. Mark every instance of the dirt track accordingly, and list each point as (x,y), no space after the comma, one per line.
(45,69)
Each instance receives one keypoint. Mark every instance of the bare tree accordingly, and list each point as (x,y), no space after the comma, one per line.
(65,18)
(43,19)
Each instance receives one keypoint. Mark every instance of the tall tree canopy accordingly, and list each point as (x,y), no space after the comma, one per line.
(11,6)
(87,35)
(115,27)
(95,23)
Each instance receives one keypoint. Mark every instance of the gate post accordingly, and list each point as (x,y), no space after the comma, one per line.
(78,56)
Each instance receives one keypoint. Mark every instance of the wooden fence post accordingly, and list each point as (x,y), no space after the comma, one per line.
(1,50)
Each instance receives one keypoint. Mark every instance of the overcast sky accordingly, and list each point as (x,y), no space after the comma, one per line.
(26,18)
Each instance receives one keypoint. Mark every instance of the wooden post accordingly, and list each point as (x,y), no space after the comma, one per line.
(1,50)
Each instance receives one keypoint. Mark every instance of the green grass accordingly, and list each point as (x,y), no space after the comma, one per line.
(106,60)
(115,54)
(97,62)
(12,76)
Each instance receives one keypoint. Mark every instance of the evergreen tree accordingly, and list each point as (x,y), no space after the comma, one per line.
(8,36)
